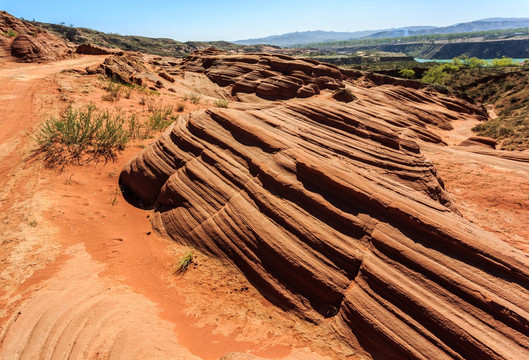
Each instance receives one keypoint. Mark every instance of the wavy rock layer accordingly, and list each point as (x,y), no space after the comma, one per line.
(268,76)
(31,43)
(332,214)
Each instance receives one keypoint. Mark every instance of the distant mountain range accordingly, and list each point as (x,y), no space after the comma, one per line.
(308,37)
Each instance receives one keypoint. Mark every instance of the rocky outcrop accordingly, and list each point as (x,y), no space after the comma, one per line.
(125,68)
(31,43)
(90,49)
(42,47)
(481,141)
(166,76)
(130,68)
(5,50)
(344,95)
(380,79)
(331,214)
(268,76)
(282,77)
(487,146)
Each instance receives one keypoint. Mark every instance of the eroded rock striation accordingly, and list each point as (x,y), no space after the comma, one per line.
(29,43)
(332,212)
(268,76)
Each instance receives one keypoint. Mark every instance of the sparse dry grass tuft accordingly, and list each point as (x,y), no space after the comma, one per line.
(81,136)
(221,103)
(184,262)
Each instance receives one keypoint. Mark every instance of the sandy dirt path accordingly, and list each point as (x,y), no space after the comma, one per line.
(53,301)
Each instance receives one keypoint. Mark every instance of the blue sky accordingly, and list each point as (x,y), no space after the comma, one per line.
(236,19)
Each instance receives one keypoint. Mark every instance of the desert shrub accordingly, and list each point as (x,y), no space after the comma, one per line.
(160,117)
(180,107)
(114,91)
(503,62)
(127,91)
(512,131)
(221,103)
(407,73)
(195,98)
(439,73)
(458,61)
(185,261)
(10,33)
(465,61)
(474,62)
(134,130)
(81,136)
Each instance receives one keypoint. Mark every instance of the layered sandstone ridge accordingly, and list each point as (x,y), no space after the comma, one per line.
(407,107)
(29,43)
(332,212)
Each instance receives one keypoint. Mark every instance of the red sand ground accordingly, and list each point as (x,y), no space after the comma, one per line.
(81,271)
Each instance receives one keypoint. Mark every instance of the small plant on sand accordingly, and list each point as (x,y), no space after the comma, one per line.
(127,91)
(114,91)
(180,107)
(195,98)
(81,136)
(114,200)
(134,128)
(33,223)
(70,180)
(221,103)
(160,118)
(407,73)
(10,33)
(503,62)
(185,261)
(439,74)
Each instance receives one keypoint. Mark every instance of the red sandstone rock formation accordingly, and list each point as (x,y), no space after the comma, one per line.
(487,146)
(482,141)
(332,213)
(269,76)
(89,49)
(30,43)
(125,68)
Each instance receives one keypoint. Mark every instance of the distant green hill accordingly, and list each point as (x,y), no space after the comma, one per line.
(482,44)
(156,46)
(472,26)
